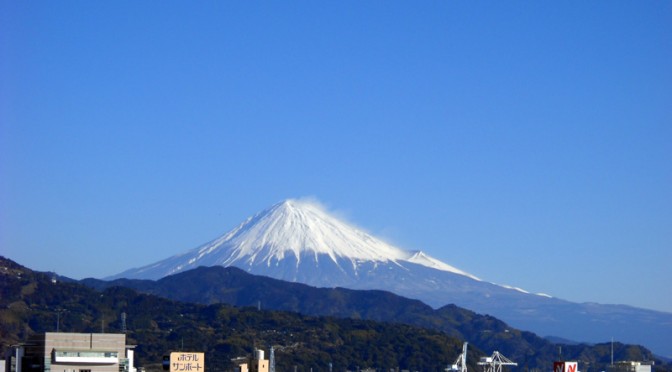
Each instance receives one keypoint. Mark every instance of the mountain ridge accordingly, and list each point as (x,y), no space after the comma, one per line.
(298,241)
(30,301)
(33,302)
(233,286)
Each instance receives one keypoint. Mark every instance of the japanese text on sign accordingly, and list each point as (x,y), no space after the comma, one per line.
(187,361)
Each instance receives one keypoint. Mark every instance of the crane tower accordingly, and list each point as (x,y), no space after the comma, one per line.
(460,364)
(495,362)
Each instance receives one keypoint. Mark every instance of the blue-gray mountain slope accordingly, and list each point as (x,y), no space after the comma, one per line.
(298,241)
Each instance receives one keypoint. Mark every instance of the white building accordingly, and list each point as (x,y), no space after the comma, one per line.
(72,352)
(630,366)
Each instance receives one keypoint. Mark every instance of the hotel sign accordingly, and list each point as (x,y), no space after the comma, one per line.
(187,362)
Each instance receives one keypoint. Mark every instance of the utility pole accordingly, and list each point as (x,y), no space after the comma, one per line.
(123,322)
(58,318)
(612,351)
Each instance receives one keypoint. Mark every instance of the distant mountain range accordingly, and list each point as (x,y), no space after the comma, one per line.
(298,241)
(208,285)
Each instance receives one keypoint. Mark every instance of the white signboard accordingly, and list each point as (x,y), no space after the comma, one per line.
(182,361)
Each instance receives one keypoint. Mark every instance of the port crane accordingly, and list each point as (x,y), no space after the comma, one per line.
(460,364)
(495,362)
(272,354)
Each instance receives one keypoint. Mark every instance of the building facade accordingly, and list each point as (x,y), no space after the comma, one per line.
(72,352)
(259,364)
(631,366)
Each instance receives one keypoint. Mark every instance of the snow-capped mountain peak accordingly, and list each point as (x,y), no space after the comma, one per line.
(296,227)
(299,232)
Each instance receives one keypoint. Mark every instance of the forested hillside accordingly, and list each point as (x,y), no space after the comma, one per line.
(33,302)
(216,284)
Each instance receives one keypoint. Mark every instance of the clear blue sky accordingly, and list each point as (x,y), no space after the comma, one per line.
(528,142)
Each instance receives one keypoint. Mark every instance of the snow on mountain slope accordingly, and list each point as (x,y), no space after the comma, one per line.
(421,258)
(295,227)
(298,232)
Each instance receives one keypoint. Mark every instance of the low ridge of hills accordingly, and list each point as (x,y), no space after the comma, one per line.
(208,285)
(34,302)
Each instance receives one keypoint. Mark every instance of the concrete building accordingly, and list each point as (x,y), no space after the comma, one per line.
(259,364)
(262,365)
(630,366)
(72,352)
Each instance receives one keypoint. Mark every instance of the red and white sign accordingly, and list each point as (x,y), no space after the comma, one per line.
(565,367)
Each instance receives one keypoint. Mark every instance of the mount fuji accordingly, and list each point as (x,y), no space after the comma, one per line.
(298,241)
